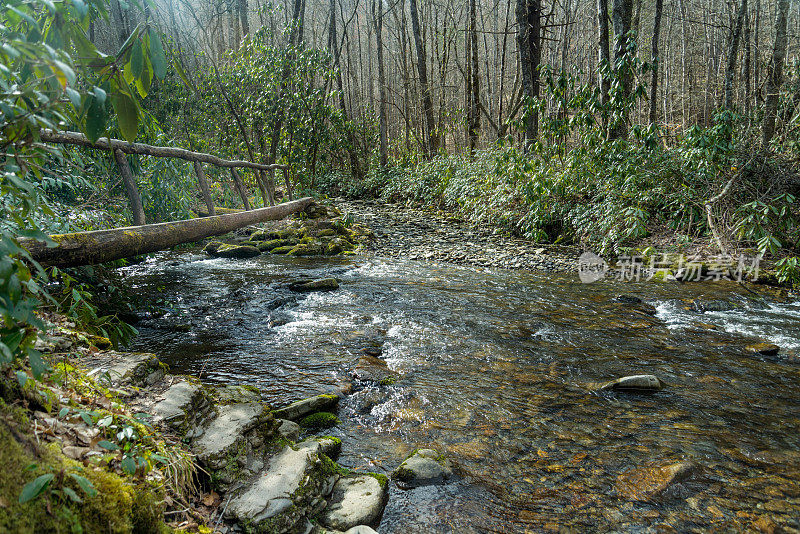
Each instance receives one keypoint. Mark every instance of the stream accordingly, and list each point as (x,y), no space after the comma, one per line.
(498,370)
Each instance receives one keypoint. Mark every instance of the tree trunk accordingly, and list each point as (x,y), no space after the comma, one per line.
(204,189)
(432,138)
(382,111)
(747,58)
(237,181)
(775,71)
(88,248)
(130,187)
(473,78)
(528,14)
(655,61)
(622,14)
(733,54)
(243,16)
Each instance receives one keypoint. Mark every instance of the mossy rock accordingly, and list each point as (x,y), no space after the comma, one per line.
(282,250)
(212,248)
(268,246)
(307,250)
(237,251)
(286,233)
(326,233)
(320,420)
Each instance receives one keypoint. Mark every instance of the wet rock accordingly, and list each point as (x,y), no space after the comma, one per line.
(308,249)
(703,306)
(647,483)
(373,369)
(289,429)
(323,284)
(765,349)
(212,247)
(320,420)
(237,251)
(289,490)
(305,407)
(424,467)
(355,501)
(628,299)
(635,384)
(282,250)
(272,244)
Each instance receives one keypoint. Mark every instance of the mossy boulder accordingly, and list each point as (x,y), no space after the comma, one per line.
(320,420)
(424,467)
(323,284)
(307,250)
(303,407)
(237,251)
(282,250)
(269,246)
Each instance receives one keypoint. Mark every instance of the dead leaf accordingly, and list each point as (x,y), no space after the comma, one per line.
(3,503)
(211,500)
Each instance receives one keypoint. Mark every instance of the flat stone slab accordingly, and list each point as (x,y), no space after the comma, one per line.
(647,483)
(289,429)
(423,468)
(116,368)
(289,489)
(179,403)
(304,407)
(354,501)
(231,423)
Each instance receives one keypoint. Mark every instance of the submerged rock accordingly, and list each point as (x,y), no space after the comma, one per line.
(305,407)
(765,349)
(323,284)
(355,501)
(320,420)
(635,383)
(647,483)
(373,369)
(424,467)
(237,251)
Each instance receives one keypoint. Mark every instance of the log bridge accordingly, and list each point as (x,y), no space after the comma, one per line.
(99,246)
(120,148)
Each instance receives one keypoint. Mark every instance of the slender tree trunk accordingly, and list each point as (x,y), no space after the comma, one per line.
(237,181)
(130,187)
(621,17)
(733,54)
(604,46)
(775,71)
(244,14)
(382,112)
(529,13)
(204,189)
(747,53)
(655,60)
(432,138)
(473,79)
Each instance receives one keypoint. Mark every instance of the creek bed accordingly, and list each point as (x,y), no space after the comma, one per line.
(497,370)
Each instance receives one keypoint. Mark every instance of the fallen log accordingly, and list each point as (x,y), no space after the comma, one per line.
(99,246)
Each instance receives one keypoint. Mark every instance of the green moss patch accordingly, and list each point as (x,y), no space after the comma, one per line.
(320,420)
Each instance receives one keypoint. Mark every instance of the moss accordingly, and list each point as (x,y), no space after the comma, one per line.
(382,479)
(326,233)
(320,420)
(388,381)
(330,396)
(118,507)
(282,250)
(330,467)
(267,246)
(403,474)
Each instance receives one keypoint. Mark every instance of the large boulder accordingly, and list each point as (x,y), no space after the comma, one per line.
(237,251)
(355,501)
(323,284)
(287,492)
(373,369)
(765,349)
(186,405)
(425,467)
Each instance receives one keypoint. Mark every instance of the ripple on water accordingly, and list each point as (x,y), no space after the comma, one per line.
(498,370)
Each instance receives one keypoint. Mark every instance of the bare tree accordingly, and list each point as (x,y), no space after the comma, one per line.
(775,71)
(655,60)
(432,137)
(529,43)
(733,53)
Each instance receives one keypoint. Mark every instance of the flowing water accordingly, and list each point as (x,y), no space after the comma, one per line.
(497,370)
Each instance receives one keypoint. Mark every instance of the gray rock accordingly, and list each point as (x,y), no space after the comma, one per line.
(634,383)
(423,468)
(765,349)
(290,489)
(354,501)
(234,394)
(138,369)
(304,407)
(373,369)
(323,284)
(289,429)
(228,428)
(361,529)
(184,403)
